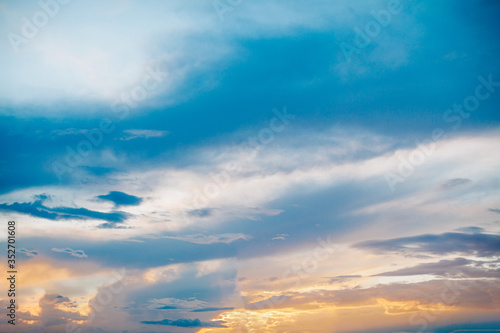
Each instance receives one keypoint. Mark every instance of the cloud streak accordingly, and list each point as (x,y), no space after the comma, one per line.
(71,252)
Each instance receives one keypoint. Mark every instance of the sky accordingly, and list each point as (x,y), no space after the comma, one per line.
(237,166)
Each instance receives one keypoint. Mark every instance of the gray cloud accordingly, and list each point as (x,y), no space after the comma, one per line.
(205,212)
(472,230)
(343,278)
(484,245)
(458,267)
(455,183)
(185,323)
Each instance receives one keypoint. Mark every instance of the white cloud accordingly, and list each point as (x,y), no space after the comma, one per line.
(74,253)
(72,60)
(144,134)
(69,131)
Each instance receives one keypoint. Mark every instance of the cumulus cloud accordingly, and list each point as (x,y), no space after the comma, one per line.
(56,311)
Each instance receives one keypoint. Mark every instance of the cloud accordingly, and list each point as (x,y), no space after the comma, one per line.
(81,64)
(420,294)
(472,230)
(281,299)
(37,209)
(280,237)
(212,309)
(55,311)
(185,323)
(200,212)
(143,134)
(494,210)
(211,239)
(70,131)
(112,225)
(121,198)
(29,253)
(484,245)
(175,303)
(343,278)
(455,183)
(458,267)
(74,253)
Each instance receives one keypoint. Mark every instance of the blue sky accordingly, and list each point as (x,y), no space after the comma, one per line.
(195,155)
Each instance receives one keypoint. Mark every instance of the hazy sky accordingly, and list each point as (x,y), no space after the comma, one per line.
(251,166)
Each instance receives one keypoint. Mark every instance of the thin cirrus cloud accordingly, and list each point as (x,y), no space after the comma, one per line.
(480,244)
(132,134)
(458,268)
(211,239)
(28,253)
(71,252)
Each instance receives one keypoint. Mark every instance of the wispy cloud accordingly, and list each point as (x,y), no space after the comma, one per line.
(484,245)
(29,253)
(70,131)
(211,239)
(280,237)
(143,134)
(184,323)
(74,253)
